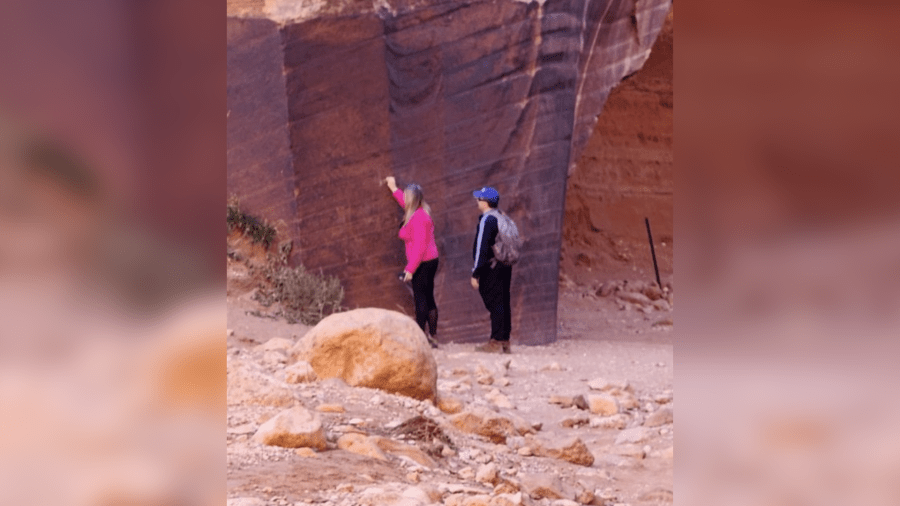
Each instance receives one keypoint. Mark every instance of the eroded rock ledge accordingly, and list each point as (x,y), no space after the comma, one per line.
(325,99)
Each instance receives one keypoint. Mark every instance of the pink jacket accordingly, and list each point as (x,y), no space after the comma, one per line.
(418,235)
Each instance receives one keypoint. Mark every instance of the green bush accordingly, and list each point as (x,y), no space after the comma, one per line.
(304,296)
(259,232)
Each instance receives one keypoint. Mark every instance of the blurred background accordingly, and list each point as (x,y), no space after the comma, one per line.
(788,255)
(112,185)
(112,188)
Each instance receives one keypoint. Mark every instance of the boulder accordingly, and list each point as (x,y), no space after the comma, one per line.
(371,347)
(292,428)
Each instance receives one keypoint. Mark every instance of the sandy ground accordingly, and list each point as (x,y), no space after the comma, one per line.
(596,340)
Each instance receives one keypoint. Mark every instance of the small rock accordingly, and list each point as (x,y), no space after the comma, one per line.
(230,332)
(599,384)
(661,305)
(274,358)
(487,473)
(306,453)
(628,450)
(507,499)
(635,298)
(580,402)
(525,451)
(498,399)
(603,404)
(246,501)
(466,473)
(449,405)
(634,435)
(292,428)
(360,444)
(577,421)
(618,421)
(543,486)
(662,416)
(554,366)
(330,408)
(300,372)
(276,344)
(570,449)
(562,400)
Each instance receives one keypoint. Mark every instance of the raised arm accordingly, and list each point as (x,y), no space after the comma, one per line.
(392,186)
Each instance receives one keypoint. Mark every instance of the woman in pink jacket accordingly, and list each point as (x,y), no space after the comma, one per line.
(417,232)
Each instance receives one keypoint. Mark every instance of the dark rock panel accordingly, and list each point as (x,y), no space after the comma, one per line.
(451,95)
(259,158)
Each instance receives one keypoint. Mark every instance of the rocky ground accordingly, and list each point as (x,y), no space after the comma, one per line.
(593,417)
(588,419)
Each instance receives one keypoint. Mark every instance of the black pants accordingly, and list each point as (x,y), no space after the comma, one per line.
(494,288)
(423,294)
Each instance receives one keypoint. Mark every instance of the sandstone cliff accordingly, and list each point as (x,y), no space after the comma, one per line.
(324,100)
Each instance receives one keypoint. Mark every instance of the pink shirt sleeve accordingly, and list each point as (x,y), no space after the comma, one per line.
(399,196)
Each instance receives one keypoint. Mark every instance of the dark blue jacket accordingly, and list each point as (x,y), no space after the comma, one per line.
(483,248)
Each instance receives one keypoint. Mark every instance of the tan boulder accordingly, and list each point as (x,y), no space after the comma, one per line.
(292,428)
(374,348)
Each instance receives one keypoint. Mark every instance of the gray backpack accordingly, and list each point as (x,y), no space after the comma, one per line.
(508,244)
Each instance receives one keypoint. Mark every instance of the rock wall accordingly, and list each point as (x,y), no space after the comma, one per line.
(624,174)
(451,95)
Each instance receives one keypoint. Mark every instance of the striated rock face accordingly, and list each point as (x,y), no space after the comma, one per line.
(324,101)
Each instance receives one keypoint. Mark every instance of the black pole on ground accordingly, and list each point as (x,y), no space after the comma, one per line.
(652,252)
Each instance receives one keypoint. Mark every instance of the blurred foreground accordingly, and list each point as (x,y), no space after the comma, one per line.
(112,316)
(788,253)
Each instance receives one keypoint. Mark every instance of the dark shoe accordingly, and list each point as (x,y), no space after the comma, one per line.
(432,341)
(491,346)
(505,346)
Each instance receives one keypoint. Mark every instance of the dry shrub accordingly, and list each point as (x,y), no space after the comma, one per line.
(304,296)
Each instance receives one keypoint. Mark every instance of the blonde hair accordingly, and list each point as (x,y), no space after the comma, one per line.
(414,199)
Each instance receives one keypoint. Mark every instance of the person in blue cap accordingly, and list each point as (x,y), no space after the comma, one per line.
(491,278)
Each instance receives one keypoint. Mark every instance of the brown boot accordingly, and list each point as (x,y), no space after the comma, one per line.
(493,346)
